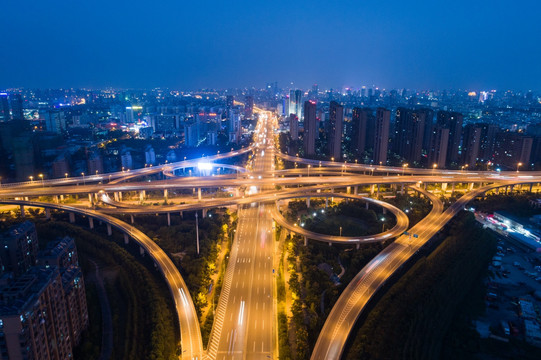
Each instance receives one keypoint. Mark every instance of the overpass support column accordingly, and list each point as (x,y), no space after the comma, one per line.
(90,200)
(198,193)
(132,219)
(326,202)
(305,241)
(424,186)
(91,223)
(126,239)
(165,194)
(142,195)
(358,246)
(22,211)
(377,194)
(402,189)
(109,230)
(61,197)
(237,192)
(56,199)
(366,204)
(26,198)
(116,196)
(330,243)
(443,187)
(470,186)
(204,211)
(120,195)
(47,213)
(453,189)
(348,190)
(372,189)
(72,217)
(168,219)
(181,215)
(308,201)
(355,190)
(332,189)
(531,187)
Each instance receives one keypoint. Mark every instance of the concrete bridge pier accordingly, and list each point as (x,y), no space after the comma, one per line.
(109,230)
(199,194)
(305,241)
(142,195)
(56,199)
(204,211)
(126,239)
(91,223)
(22,212)
(117,199)
(531,187)
(120,195)
(26,198)
(165,194)
(91,200)
(348,190)
(356,190)
(47,213)
(372,187)
(326,202)
(470,186)
(357,246)
(444,187)
(453,189)
(168,219)
(61,197)
(132,219)
(308,201)
(181,215)
(377,193)
(72,217)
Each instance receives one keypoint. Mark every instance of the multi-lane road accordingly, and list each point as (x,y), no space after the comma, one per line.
(245,325)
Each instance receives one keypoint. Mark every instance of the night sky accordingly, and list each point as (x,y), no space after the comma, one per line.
(436,44)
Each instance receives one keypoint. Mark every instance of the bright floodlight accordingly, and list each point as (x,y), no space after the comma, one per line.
(204,166)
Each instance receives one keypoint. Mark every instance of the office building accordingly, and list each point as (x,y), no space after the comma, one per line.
(60,166)
(488,139)
(334,140)
(229,101)
(295,103)
(55,121)
(381,135)
(310,128)
(95,164)
(150,155)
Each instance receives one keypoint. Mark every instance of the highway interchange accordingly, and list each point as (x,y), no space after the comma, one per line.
(245,320)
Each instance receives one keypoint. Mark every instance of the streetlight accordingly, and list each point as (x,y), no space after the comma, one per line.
(66,175)
(41,176)
(340,231)
(383,224)
(519,165)
(84,182)
(404,168)
(31,179)
(308,169)
(434,168)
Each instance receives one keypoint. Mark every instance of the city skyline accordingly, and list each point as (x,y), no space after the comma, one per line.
(466,45)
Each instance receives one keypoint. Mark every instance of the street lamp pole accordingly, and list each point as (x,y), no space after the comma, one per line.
(519,165)
(84,181)
(340,231)
(197,230)
(42,183)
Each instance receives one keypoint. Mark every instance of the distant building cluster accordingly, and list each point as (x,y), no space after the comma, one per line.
(420,130)
(43,309)
(61,133)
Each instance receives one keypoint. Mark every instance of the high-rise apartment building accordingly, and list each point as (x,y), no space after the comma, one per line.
(334,140)
(310,128)
(4,108)
(381,135)
(19,248)
(360,125)
(294,127)
(295,103)
(409,134)
(437,151)
(16,107)
(249,106)
(452,121)
(471,144)
(512,149)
